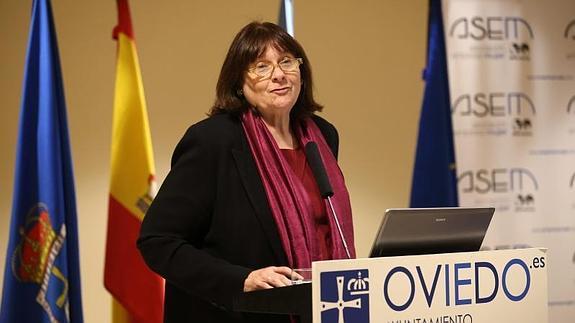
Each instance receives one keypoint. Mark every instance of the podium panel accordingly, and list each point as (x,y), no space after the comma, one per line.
(471,287)
(290,300)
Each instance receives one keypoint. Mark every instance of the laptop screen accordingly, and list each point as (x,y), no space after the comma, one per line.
(431,230)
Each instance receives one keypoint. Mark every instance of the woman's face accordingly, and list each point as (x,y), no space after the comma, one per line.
(275,93)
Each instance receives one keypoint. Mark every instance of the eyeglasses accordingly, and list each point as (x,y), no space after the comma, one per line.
(265,69)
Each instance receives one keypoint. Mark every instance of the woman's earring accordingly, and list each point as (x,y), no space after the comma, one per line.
(240,93)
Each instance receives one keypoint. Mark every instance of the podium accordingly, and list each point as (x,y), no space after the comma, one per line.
(292,300)
(485,286)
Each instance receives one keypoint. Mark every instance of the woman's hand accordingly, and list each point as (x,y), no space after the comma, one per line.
(268,277)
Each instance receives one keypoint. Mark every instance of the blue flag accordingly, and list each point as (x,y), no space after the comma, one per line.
(42,273)
(285,19)
(434,175)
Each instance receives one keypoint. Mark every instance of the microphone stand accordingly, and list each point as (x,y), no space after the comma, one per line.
(338,227)
(320,175)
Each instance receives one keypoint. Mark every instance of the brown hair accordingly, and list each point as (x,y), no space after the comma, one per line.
(249,44)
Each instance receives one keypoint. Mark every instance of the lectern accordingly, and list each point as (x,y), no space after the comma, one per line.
(293,300)
(478,287)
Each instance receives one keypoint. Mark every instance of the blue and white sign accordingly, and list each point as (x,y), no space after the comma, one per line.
(487,286)
(345,296)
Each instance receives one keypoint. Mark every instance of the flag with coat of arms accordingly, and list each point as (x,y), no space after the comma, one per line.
(42,272)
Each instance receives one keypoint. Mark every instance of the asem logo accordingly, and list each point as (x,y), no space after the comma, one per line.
(522,127)
(497,180)
(493,104)
(490,28)
(522,124)
(525,199)
(571,105)
(520,48)
(525,203)
(572,186)
(519,51)
(572,181)
(570,30)
(345,296)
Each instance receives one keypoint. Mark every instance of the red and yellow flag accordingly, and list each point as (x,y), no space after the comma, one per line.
(137,292)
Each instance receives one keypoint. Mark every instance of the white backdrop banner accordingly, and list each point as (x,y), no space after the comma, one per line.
(512,82)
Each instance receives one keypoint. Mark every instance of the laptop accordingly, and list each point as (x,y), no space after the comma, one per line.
(418,231)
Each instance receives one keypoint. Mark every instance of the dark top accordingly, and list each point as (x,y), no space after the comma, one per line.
(210,224)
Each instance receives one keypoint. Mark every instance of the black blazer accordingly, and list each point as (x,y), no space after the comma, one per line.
(210,224)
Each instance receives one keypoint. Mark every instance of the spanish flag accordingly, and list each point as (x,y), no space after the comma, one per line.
(137,292)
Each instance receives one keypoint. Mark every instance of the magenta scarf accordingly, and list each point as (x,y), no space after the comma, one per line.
(287,197)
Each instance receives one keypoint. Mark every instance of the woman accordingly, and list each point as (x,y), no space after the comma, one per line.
(240,206)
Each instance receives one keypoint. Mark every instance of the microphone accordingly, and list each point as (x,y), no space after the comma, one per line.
(316,165)
(325,190)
